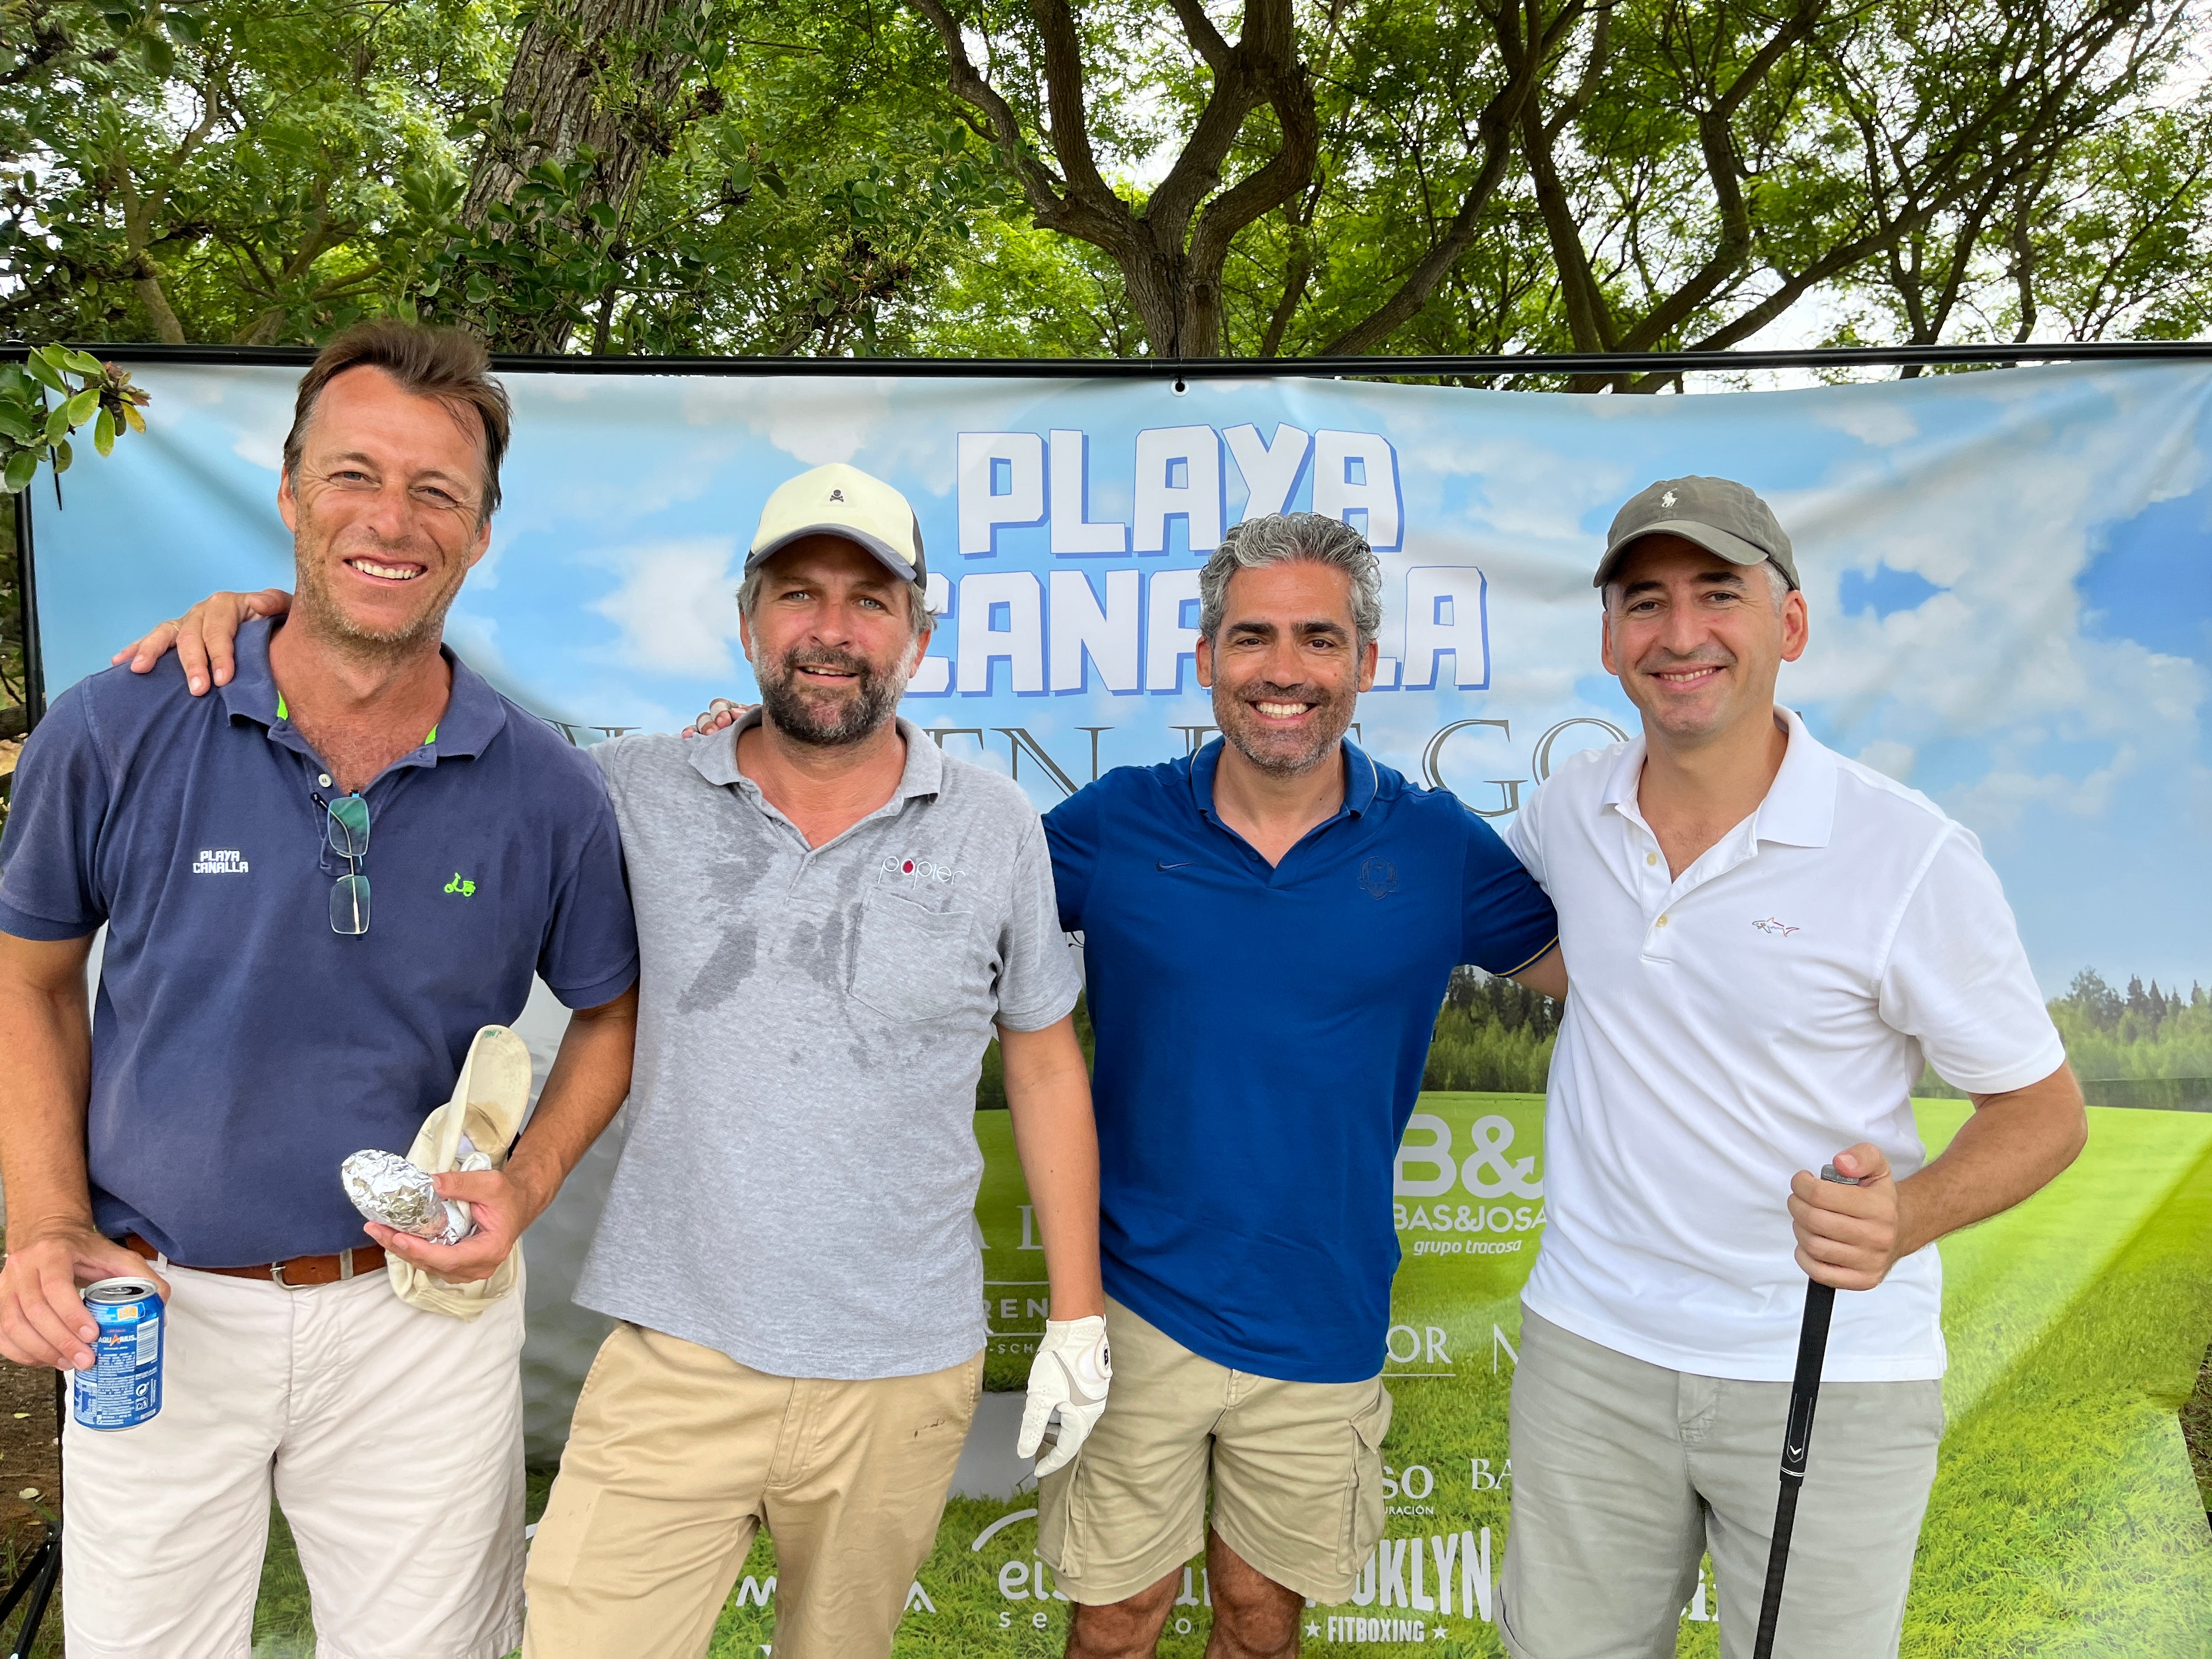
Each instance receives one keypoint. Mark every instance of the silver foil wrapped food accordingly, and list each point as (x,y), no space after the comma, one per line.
(384,1187)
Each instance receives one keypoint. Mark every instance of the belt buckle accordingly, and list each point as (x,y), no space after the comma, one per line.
(277,1276)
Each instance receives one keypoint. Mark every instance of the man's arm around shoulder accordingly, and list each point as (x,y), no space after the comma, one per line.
(53,1249)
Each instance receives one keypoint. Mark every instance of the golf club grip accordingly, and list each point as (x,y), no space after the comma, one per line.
(1805,1387)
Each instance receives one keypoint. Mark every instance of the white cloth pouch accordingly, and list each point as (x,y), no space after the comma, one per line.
(489,1100)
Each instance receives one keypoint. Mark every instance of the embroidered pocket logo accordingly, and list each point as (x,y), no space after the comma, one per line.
(1775,929)
(1378,878)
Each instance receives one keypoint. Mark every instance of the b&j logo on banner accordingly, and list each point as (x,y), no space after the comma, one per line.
(2011,611)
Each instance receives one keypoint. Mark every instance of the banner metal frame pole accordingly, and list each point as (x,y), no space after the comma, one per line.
(26,596)
(1512,365)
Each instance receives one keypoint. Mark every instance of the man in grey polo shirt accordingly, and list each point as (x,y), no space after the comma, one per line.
(833,916)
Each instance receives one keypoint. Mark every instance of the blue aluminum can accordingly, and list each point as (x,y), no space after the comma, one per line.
(124,1387)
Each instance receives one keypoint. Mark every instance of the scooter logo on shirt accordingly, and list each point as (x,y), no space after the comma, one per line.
(219,862)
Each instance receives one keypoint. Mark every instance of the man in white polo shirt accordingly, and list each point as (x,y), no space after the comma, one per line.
(1765,941)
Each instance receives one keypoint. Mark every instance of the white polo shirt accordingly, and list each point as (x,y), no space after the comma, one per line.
(1752,1016)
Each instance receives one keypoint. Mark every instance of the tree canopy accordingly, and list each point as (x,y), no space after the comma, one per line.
(1247,178)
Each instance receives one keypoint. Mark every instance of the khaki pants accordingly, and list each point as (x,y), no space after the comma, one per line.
(1625,1472)
(1295,1470)
(679,1454)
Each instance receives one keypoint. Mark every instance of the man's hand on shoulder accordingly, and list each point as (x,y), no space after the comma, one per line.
(504,1203)
(719,715)
(202,637)
(43,1319)
(1848,1236)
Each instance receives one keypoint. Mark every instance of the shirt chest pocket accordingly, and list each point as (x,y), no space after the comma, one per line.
(915,963)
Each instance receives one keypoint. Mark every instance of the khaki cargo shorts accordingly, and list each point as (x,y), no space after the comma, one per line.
(1295,1470)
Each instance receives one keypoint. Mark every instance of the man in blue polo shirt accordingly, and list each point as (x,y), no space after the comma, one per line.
(1268,928)
(317,884)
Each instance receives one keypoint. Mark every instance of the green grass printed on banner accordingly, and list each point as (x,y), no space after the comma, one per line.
(2064,1520)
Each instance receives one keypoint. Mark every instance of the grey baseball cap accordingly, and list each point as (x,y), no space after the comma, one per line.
(1719,514)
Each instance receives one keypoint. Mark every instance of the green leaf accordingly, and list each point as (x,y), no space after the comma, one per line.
(79,408)
(62,456)
(56,427)
(154,52)
(15,427)
(183,25)
(137,422)
(83,362)
(22,467)
(36,365)
(103,434)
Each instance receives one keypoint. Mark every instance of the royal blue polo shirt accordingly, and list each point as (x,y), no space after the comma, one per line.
(1261,1036)
(241,1050)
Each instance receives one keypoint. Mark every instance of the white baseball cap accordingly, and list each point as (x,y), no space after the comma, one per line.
(838,500)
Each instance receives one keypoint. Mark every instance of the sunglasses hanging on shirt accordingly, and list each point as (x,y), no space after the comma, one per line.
(346,821)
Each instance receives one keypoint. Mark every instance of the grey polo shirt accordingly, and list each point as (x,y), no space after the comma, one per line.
(799,1181)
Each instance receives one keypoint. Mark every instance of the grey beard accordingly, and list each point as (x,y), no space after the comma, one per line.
(1284,765)
(797,718)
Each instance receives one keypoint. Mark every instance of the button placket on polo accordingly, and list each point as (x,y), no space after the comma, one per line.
(1736,849)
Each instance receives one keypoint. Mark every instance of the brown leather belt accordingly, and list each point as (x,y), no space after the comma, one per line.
(298,1274)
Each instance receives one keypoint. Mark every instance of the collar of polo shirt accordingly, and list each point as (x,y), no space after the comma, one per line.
(1361,778)
(1800,807)
(715,758)
(473,716)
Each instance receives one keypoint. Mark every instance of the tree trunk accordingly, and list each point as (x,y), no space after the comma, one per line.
(146,282)
(597,75)
(588,74)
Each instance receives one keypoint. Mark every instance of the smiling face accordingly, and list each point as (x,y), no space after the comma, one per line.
(1697,642)
(831,640)
(1286,666)
(385,508)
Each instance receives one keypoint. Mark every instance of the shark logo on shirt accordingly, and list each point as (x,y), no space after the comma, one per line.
(1775,929)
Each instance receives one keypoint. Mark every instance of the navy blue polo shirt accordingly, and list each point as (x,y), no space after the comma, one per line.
(240,1048)
(1261,1037)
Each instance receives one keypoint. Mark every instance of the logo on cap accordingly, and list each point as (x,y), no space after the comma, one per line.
(1667,499)
(839,496)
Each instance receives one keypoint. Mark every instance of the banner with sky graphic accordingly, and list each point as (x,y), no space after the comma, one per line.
(2009,575)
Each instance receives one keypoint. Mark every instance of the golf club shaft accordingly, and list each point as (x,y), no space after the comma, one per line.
(1797,1441)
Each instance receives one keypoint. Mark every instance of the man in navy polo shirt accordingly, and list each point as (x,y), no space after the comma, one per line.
(1269,926)
(317,884)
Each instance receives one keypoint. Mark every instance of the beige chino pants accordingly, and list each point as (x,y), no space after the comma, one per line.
(679,1454)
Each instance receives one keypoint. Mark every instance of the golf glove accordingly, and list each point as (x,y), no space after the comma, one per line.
(1069,1376)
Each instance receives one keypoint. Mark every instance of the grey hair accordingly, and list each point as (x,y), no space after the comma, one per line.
(917,598)
(1288,538)
(1777,586)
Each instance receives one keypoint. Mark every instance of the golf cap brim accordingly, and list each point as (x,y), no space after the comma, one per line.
(1734,549)
(892,559)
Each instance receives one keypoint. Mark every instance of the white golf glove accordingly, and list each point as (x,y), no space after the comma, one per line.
(1069,1376)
